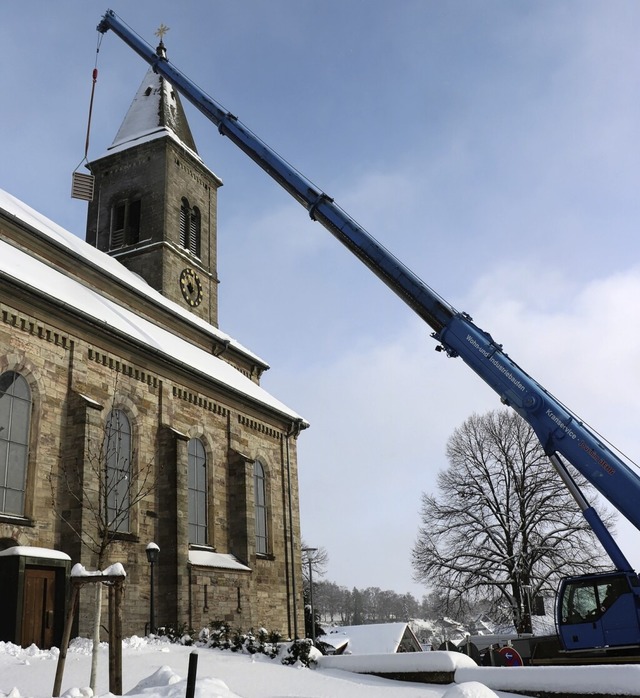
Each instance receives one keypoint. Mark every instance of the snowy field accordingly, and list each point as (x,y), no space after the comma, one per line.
(157,669)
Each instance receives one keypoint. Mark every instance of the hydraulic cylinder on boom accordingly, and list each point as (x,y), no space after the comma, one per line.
(593,611)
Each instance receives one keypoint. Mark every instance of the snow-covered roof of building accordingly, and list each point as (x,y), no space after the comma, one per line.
(377,638)
(46,228)
(32,551)
(208,558)
(90,303)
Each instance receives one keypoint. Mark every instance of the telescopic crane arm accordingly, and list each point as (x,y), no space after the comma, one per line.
(559,430)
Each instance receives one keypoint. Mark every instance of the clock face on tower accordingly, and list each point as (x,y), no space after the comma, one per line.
(191,287)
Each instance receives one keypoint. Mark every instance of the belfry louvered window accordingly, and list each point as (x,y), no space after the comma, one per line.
(125,224)
(190,227)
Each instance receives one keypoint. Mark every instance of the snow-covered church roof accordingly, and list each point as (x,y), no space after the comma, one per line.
(45,279)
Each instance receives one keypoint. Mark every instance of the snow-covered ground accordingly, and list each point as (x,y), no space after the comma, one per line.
(157,669)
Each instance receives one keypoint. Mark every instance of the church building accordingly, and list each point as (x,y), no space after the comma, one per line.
(127,417)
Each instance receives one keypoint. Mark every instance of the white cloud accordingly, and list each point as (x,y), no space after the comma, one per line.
(381,413)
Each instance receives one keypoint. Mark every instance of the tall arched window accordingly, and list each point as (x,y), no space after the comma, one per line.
(117,482)
(260,492)
(15,420)
(190,227)
(198,534)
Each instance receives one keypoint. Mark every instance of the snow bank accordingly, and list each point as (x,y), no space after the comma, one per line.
(604,680)
(404,662)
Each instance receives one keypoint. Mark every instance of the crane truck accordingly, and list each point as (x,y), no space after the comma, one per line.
(595,613)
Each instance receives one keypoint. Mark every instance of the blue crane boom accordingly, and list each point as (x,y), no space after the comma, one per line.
(560,431)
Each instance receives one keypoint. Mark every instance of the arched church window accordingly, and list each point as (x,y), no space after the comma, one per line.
(15,422)
(117,477)
(260,494)
(198,534)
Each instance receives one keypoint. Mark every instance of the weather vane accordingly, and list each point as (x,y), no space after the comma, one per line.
(161,31)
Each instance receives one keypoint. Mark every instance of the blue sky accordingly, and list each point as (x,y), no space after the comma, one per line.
(491,146)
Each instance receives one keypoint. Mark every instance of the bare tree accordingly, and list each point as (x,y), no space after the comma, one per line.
(99,492)
(314,562)
(318,558)
(105,487)
(503,529)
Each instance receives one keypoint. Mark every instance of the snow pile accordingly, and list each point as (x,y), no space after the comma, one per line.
(470,689)
(165,682)
(115,570)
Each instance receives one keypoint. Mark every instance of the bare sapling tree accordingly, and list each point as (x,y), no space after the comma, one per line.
(100,491)
(503,529)
(314,566)
(318,558)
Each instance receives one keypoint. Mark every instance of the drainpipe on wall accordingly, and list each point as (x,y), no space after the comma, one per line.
(189,595)
(295,430)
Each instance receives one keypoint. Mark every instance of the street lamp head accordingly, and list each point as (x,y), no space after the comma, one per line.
(153,552)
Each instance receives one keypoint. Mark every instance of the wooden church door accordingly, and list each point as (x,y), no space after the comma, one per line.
(38,609)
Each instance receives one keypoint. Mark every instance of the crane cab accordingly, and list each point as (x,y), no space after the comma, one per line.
(599,611)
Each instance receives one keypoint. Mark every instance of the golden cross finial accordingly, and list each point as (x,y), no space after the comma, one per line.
(161,31)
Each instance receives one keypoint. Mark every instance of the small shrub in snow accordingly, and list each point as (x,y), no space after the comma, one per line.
(219,635)
(181,635)
(298,651)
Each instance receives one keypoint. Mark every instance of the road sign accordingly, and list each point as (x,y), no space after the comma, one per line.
(511,657)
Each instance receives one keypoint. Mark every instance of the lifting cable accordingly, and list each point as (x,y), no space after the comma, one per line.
(82,184)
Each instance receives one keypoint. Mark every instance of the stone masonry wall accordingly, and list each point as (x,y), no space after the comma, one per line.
(76,379)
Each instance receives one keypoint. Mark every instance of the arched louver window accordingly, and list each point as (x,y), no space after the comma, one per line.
(194,232)
(197,493)
(125,223)
(185,217)
(260,493)
(15,422)
(117,469)
(190,223)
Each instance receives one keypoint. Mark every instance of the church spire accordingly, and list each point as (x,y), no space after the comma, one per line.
(157,202)
(156,111)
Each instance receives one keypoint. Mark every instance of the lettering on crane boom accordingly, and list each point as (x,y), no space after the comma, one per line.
(597,458)
(503,369)
(565,427)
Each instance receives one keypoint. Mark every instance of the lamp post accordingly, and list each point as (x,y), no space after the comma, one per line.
(308,551)
(153,552)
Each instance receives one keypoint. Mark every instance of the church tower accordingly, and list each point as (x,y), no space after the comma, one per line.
(155,201)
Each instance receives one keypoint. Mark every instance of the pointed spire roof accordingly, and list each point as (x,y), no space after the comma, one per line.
(156,110)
